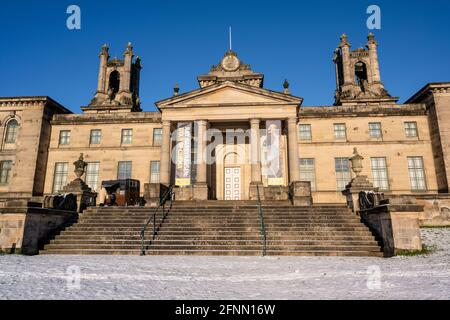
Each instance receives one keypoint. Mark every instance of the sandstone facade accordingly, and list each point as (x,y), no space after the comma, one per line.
(232,97)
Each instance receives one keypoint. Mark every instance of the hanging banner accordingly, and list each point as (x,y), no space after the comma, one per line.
(183,154)
(272,160)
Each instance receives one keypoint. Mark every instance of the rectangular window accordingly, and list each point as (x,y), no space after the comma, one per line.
(375,129)
(304,131)
(92,173)
(96,136)
(127,136)
(343,175)
(416,174)
(157,136)
(124,170)
(308,171)
(64,137)
(5,169)
(379,173)
(411,129)
(154,171)
(340,132)
(60,177)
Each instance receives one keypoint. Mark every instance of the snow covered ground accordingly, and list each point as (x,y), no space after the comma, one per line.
(194,277)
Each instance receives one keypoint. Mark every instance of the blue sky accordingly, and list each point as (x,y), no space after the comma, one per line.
(178,40)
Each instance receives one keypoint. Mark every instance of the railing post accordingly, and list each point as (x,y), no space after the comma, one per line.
(161,205)
(142,242)
(262,226)
(154,225)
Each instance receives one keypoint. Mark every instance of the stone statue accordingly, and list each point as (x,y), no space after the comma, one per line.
(356,162)
(80,166)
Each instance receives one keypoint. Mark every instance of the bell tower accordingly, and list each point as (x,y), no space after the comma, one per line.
(358,74)
(118,83)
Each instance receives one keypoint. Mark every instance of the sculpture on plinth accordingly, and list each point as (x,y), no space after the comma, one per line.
(360,183)
(80,166)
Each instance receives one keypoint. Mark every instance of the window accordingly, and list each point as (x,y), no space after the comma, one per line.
(64,137)
(411,129)
(308,172)
(114,82)
(375,129)
(127,136)
(304,131)
(92,172)
(5,169)
(11,131)
(416,174)
(339,131)
(379,173)
(96,136)
(154,171)
(124,170)
(343,175)
(157,136)
(60,177)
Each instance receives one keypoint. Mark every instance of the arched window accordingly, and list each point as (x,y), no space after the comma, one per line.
(361,74)
(12,128)
(231,158)
(114,81)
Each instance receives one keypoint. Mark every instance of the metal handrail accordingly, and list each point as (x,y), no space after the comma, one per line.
(262,225)
(168,195)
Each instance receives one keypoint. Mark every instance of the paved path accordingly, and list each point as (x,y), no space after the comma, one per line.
(194,277)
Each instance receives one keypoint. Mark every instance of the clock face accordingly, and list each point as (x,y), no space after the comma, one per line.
(230,63)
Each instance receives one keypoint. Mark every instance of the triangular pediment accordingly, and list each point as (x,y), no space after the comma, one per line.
(229,93)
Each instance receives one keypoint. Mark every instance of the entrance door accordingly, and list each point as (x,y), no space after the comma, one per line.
(232,183)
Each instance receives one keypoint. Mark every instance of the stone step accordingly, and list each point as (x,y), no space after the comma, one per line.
(218,242)
(218,209)
(192,209)
(219,213)
(167,229)
(136,237)
(162,232)
(205,224)
(219,228)
(218,218)
(207,246)
(215,253)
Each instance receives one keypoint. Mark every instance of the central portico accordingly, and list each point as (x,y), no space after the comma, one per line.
(214,138)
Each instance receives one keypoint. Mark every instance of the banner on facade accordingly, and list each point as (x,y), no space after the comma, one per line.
(271,158)
(183,154)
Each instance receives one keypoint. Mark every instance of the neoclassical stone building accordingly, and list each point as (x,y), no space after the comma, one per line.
(406,147)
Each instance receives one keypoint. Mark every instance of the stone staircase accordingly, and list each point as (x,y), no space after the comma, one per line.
(220,228)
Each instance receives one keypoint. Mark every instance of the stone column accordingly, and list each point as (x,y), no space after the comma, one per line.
(373,57)
(165,154)
(200,188)
(255,159)
(201,150)
(255,138)
(345,47)
(294,172)
(104,55)
(125,76)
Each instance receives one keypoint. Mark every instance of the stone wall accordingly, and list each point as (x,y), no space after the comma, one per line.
(392,145)
(397,226)
(110,151)
(436,96)
(24,230)
(436,210)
